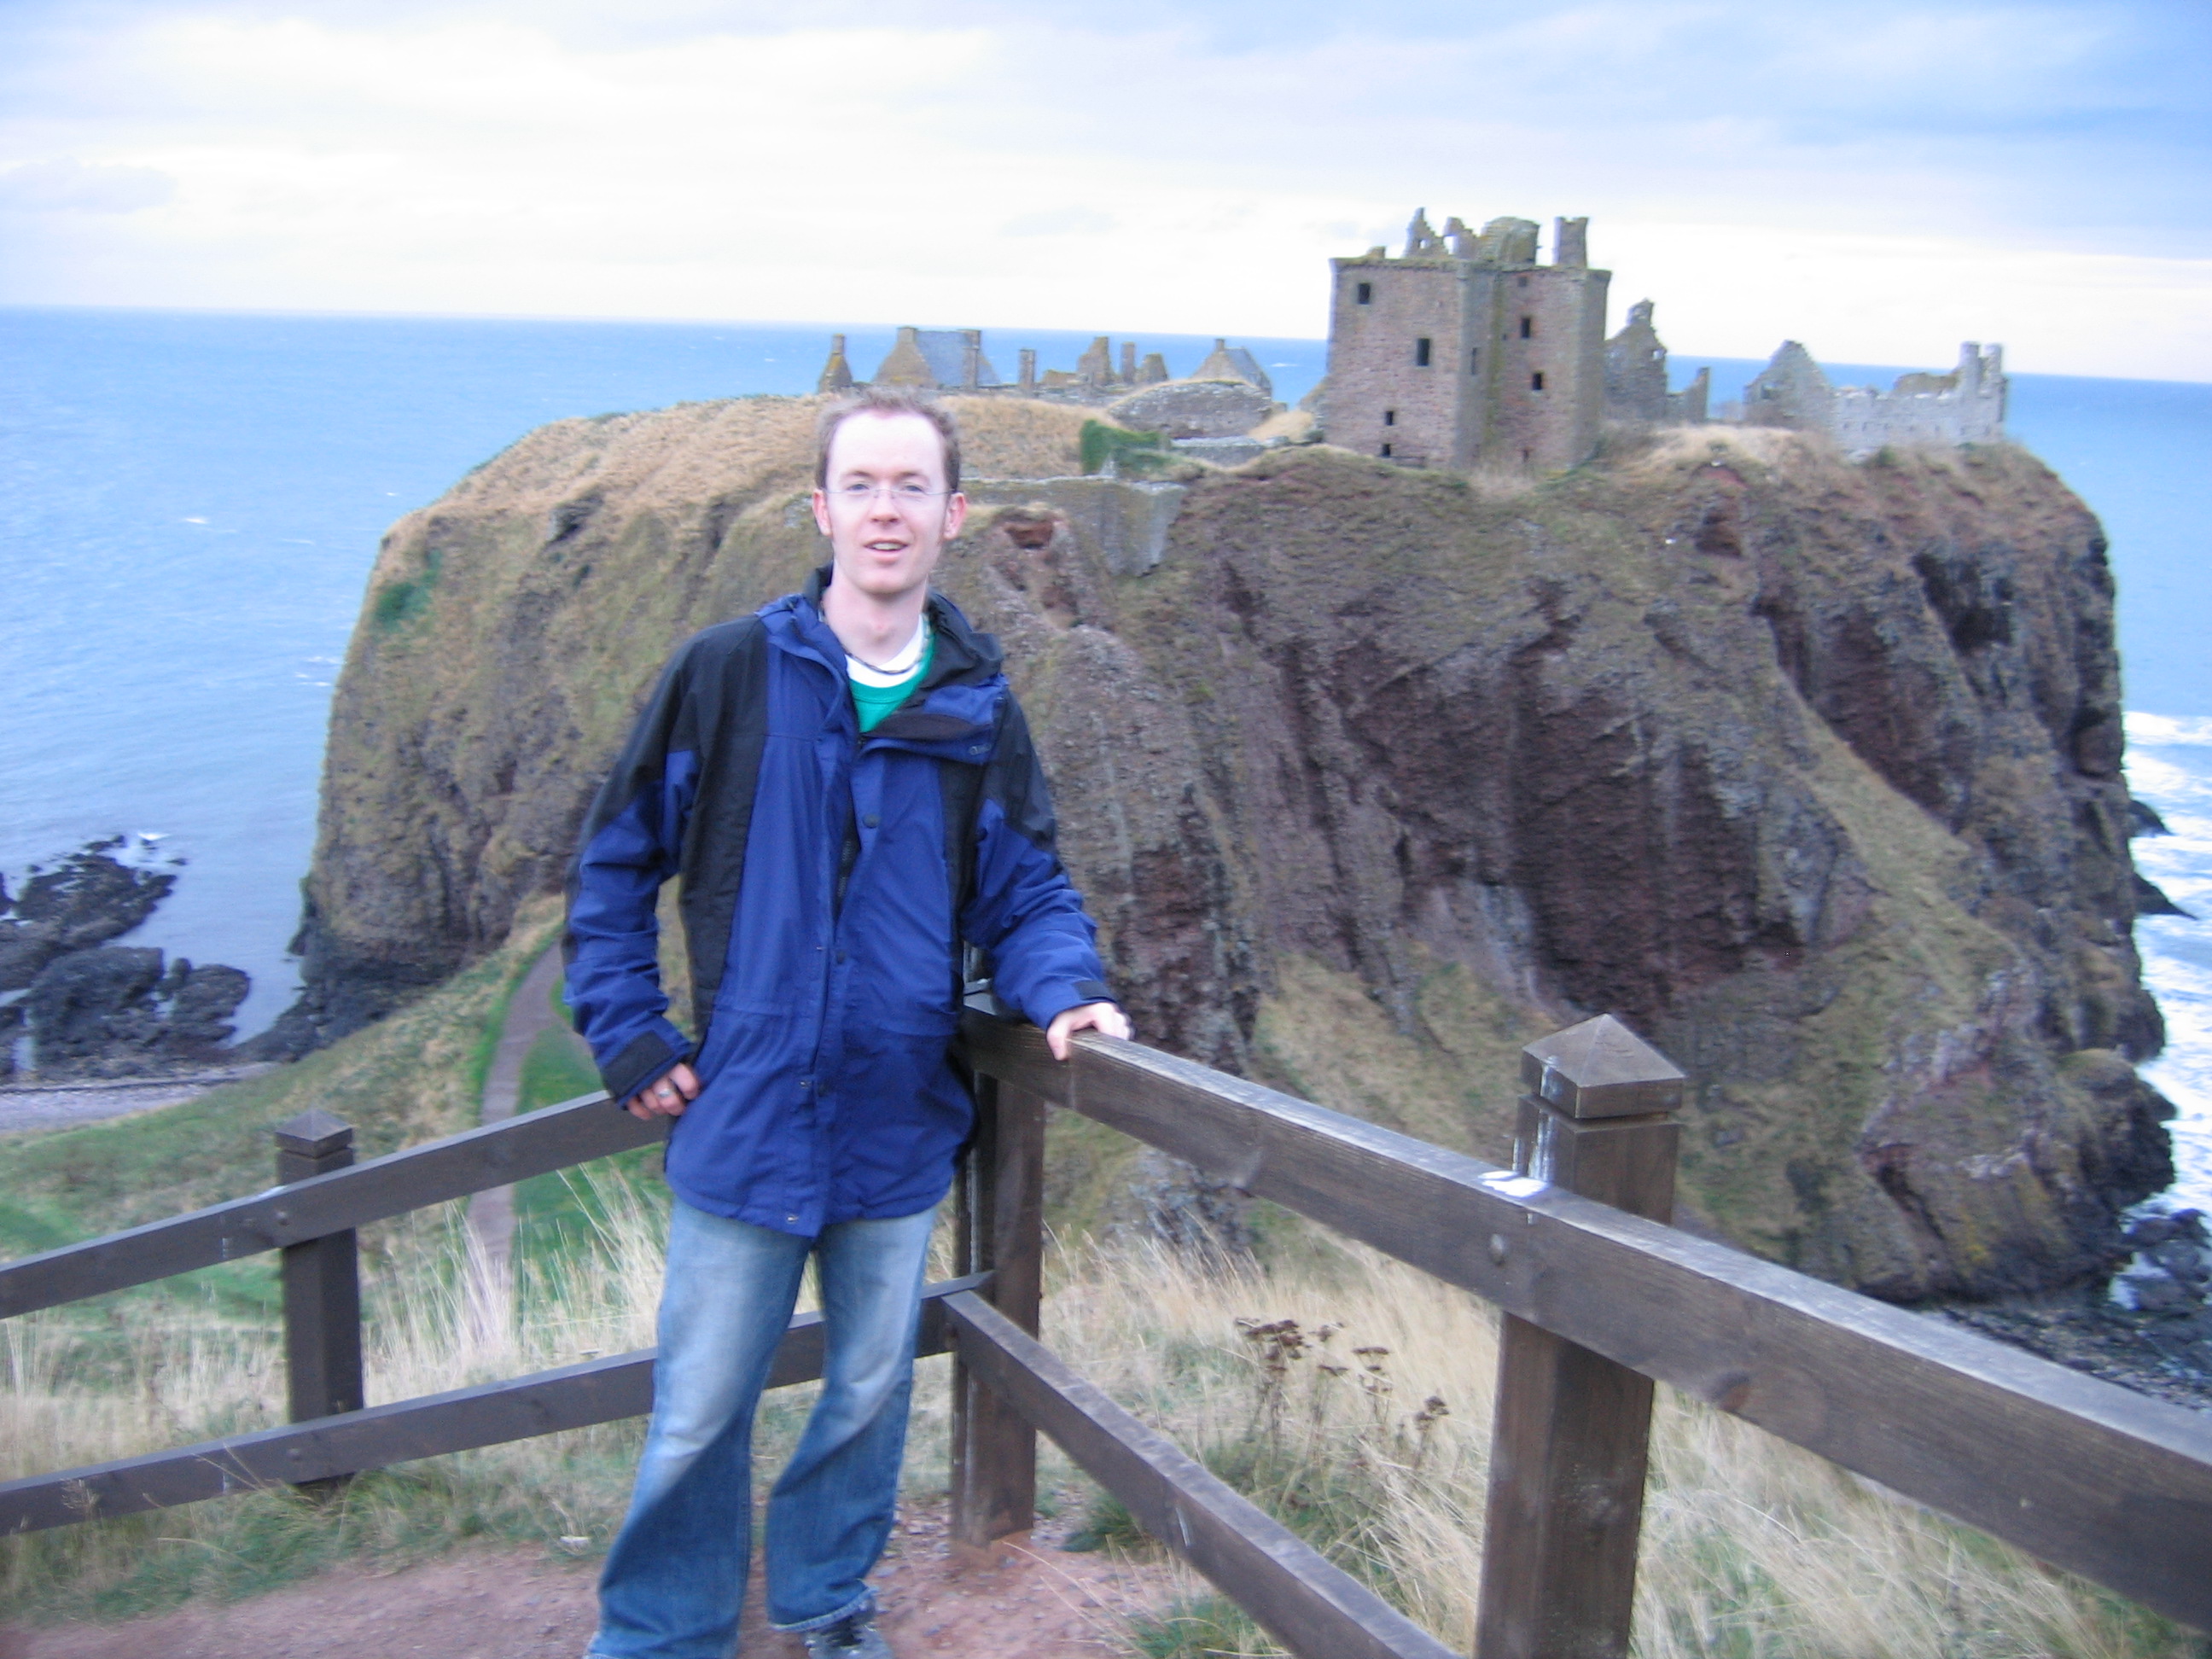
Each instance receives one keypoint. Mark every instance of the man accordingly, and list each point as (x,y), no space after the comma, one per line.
(848,791)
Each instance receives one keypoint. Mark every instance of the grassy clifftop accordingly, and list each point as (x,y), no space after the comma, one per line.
(1809,769)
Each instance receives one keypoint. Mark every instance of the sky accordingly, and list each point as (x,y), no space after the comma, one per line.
(1879,180)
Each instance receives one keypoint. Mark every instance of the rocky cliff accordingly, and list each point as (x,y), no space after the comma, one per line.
(1810,770)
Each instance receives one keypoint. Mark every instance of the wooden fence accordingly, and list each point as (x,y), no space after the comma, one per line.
(1600,1298)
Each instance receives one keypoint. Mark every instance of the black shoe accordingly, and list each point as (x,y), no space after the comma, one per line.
(853,1636)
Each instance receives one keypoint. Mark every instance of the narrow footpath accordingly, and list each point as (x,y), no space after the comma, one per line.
(530,1013)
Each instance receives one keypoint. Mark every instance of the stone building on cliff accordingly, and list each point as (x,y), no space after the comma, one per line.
(1464,351)
(1965,406)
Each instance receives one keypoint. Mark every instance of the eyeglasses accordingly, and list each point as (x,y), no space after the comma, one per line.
(901,495)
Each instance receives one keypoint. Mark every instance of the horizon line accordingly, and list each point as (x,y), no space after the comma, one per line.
(335,314)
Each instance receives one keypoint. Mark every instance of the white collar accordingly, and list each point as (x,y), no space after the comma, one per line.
(900,667)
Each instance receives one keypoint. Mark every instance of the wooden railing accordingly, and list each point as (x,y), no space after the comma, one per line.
(1600,1298)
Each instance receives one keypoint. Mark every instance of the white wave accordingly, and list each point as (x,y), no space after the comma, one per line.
(2169,768)
(2152,774)
(2156,731)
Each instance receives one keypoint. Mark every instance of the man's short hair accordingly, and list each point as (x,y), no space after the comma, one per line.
(886,400)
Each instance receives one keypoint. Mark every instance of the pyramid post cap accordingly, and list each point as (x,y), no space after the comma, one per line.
(1601,1068)
(314,1133)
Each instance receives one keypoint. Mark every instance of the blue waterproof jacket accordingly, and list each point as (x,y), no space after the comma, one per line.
(828,881)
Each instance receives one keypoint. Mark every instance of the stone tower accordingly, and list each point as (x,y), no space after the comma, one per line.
(1465,352)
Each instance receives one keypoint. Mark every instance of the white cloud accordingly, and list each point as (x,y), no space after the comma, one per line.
(65,184)
(1177,174)
(1059,221)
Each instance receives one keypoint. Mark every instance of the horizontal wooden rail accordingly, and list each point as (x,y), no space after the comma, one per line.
(574,1132)
(1308,1602)
(572,1397)
(2080,1472)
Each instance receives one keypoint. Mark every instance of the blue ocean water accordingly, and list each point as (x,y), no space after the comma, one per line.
(189,503)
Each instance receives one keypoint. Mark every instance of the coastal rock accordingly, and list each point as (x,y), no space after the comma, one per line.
(92,1009)
(1809,770)
(87,899)
(2143,819)
(118,1010)
(2171,1272)
(11,1028)
(2151,900)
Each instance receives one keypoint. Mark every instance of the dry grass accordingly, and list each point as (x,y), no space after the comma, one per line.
(1367,1426)
(1019,437)
(1348,1393)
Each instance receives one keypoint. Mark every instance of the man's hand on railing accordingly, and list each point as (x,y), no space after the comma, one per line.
(1103,1018)
(665,1096)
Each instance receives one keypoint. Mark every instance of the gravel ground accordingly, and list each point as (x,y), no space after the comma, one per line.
(2168,1358)
(57,1105)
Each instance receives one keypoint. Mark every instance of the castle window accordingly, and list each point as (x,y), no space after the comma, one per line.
(1474,361)
(1389,417)
(1536,381)
(1385,451)
(1366,293)
(1528,327)
(1421,353)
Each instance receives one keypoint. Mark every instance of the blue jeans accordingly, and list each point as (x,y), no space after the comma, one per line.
(675,1578)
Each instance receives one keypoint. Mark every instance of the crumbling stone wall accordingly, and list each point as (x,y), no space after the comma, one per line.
(1636,380)
(1963,407)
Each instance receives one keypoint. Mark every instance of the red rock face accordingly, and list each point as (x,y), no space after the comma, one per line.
(1807,770)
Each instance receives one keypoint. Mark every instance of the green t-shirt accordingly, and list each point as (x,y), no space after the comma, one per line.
(873,702)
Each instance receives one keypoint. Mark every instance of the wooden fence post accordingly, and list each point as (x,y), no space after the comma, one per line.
(1568,1447)
(322,1285)
(1001,1189)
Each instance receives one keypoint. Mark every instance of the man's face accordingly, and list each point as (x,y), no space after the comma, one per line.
(886,511)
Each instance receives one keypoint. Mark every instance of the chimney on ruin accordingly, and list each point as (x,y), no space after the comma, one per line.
(1571,241)
(1029,370)
(836,374)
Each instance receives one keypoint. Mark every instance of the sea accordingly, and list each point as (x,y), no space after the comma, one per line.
(189,502)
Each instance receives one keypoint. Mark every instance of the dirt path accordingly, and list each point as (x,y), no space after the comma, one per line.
(1030,1601)
(491,1212)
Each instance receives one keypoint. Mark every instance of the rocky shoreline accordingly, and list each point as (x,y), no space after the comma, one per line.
(2149,1329)
(90,1009)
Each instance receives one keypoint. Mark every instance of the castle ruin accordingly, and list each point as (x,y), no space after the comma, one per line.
(1464,351)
